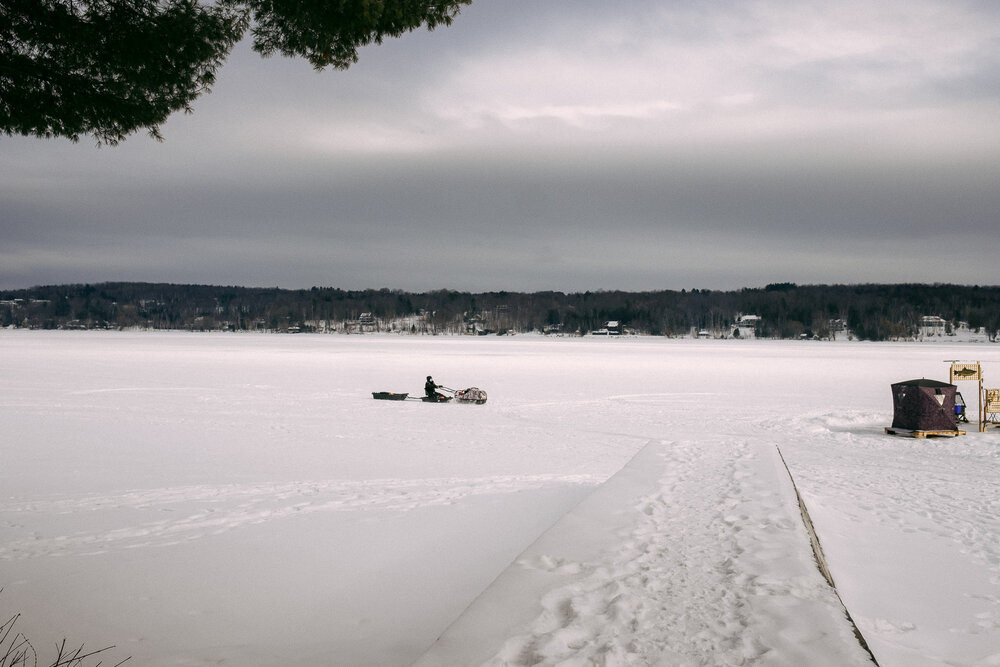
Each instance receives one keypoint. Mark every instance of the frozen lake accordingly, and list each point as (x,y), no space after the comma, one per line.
(201,499)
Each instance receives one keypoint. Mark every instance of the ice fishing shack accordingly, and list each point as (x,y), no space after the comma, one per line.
(923,407)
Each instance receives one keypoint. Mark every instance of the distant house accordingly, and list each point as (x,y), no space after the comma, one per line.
(746,326)
(610,328)
(932,325)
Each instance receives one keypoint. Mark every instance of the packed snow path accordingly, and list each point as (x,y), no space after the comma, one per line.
(692,555)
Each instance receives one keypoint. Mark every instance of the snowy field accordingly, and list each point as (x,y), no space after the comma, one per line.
(207,499)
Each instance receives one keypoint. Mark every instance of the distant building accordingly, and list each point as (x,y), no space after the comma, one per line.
(932,325)
(746,326)
(610,328)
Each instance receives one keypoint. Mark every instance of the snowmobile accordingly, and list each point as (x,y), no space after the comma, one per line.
(393,396)
(472,395)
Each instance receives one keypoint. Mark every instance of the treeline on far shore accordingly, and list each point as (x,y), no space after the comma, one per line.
(874,312)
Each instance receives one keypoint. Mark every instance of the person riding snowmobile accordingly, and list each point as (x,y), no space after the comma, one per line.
(430,389)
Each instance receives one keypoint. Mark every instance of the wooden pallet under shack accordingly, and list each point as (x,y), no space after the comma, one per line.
(922,434)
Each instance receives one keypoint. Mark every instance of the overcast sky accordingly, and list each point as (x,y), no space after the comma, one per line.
(555,144)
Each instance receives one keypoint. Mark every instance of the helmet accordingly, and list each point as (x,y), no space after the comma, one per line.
(428,377)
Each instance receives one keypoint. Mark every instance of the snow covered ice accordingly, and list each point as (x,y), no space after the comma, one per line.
(200,499)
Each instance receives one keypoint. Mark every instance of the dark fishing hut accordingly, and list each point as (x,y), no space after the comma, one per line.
(923,405)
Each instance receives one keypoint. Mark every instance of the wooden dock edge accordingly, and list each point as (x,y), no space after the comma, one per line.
(820,558)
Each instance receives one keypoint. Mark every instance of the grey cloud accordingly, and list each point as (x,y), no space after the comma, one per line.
(816,179)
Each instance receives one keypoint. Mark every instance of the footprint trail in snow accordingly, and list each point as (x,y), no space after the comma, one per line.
(711,566)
